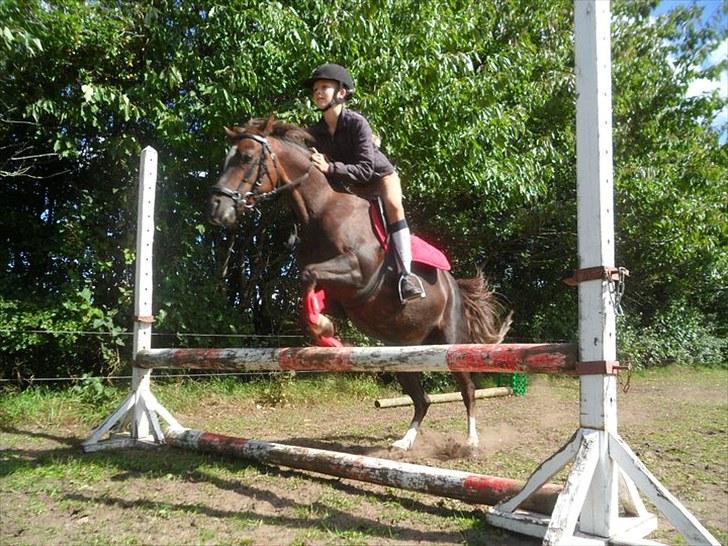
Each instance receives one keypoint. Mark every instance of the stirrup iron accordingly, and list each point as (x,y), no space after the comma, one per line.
(402,278)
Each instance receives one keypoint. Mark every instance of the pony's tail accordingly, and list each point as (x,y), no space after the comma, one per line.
(483,311)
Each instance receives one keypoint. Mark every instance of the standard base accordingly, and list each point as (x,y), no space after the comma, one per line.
(587,448)
(537,525)
(140,412)
(121,440)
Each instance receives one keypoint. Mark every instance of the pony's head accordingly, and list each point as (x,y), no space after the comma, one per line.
(251,170)
(248,171)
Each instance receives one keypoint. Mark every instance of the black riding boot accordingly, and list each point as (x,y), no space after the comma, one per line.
(410,286)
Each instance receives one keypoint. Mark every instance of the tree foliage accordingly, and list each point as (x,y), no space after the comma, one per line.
(474,102)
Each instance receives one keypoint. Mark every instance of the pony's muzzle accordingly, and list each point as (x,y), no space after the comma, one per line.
(222,211)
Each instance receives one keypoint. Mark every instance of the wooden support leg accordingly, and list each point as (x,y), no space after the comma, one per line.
(672,509)
(140,407)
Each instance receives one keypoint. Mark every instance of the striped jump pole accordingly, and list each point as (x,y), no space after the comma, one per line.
(455,484)
(502,358)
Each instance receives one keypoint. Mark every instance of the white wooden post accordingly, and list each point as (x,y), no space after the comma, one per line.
(587,511)
(140,410)
(143,289)
(595,220)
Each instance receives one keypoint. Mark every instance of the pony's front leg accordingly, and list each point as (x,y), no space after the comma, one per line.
(318,324)
(343,270)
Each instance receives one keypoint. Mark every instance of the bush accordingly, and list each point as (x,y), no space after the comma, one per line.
(681,334)
(51,339)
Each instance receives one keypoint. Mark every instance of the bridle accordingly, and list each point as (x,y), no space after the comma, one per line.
(249,199)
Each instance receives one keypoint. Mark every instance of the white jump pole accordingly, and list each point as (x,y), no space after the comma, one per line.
(444,398)
(546,358)
(587,512)
(443,482)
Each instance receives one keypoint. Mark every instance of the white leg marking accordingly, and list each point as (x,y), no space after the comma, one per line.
(473,440)
(407,440)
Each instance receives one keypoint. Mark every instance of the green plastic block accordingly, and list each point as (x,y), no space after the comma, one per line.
(516,381)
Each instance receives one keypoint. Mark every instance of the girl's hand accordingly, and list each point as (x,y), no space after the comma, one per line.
(319,161)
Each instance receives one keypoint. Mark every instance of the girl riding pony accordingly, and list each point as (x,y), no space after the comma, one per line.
(346,153)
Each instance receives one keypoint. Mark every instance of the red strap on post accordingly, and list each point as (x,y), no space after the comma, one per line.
(598,367)
(144,319)
(600,272)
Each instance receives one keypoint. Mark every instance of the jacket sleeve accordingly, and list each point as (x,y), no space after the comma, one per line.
(362,152)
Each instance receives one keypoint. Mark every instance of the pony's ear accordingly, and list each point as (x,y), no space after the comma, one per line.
(269,125)
(231,133)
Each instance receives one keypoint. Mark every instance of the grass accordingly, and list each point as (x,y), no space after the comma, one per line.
(84,402)
(203,499)
(277,389)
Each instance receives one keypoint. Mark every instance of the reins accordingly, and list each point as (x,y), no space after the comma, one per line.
(287,186)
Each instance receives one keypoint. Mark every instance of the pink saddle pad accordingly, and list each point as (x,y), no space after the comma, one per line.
(422,251)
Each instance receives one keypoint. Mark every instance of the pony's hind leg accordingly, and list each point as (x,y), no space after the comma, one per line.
(467,389)
(412,385)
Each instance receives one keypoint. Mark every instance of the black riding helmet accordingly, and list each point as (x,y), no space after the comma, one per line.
(334,72)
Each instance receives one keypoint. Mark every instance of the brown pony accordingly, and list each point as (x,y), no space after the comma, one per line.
(340,253)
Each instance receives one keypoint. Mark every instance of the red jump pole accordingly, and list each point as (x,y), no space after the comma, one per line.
(501,358)
(473,488)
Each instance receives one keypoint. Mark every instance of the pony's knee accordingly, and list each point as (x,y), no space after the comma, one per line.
(308,275)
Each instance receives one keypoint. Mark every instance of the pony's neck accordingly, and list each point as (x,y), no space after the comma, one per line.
(308,198)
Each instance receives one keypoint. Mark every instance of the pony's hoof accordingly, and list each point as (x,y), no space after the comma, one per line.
(473,442)
(403,444)
(325,326)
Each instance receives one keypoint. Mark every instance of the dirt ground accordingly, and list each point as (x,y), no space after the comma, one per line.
(51,493)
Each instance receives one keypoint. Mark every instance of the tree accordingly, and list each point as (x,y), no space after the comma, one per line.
(474,102)
(671,181)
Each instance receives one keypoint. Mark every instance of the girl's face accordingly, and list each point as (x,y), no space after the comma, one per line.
(324,92)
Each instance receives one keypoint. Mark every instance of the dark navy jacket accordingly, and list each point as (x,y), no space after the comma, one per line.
(352,155)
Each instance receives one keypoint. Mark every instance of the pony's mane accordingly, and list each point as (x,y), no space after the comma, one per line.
(280,130)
